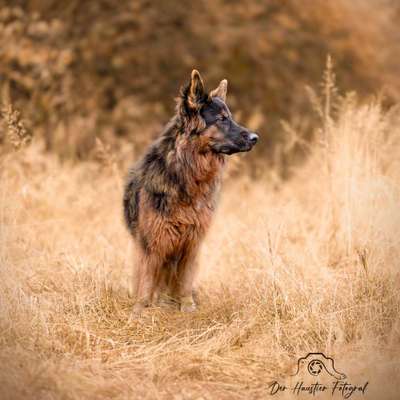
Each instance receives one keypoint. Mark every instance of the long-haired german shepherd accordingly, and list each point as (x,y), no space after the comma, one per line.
(170,194)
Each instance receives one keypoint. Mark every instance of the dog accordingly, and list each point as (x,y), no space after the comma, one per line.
(171,193)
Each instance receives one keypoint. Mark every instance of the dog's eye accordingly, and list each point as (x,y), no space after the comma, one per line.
(222,117)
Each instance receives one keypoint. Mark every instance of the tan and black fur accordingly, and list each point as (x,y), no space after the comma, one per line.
(170,195)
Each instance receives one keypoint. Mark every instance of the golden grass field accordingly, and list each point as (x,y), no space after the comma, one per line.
(310,264)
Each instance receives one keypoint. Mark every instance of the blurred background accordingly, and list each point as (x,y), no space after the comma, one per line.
(77,70)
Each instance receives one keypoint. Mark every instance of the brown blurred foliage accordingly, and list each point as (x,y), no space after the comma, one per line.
(78,70)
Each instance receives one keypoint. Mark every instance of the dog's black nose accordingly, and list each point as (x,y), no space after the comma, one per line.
(253,137)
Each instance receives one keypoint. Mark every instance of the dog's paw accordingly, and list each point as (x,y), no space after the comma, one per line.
(187,304)
(137,311)
(135,315)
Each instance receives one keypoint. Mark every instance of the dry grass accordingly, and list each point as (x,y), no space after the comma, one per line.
(290,268)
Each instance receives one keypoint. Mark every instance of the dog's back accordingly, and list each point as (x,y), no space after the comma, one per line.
(131,199)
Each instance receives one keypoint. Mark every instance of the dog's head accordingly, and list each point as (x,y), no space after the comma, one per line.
(207,119)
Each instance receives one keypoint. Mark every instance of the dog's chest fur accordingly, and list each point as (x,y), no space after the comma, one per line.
(179,214)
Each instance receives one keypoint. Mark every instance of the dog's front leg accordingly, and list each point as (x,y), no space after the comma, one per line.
(147,270)
(187,270)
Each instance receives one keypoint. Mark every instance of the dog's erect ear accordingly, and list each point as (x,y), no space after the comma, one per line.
(221,90)
(196,94)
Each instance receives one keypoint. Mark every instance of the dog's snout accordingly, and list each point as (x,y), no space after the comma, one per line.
(253,137)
